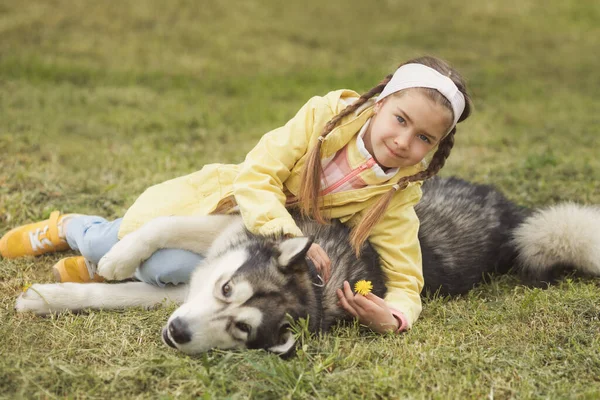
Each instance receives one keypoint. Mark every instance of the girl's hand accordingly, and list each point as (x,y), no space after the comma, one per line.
(370,310)
(322,262)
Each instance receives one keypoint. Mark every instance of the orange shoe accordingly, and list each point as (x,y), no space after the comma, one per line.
(76,269)
(35,239)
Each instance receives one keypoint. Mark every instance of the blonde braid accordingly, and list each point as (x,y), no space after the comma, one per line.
(313,170)
(309,192)
(361,232)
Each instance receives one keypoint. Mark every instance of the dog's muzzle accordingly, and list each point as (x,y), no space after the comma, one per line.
(176,332)
(166,339)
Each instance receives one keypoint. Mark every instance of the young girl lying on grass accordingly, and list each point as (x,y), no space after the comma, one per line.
(356,158)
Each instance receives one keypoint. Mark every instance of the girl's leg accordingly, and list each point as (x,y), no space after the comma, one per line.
(94,236)
(168,266)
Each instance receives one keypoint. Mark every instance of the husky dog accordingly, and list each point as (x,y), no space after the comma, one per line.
(248,286)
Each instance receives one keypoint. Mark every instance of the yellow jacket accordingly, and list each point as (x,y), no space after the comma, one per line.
(276,162)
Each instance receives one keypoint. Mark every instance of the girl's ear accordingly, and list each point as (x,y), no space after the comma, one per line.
(378,106)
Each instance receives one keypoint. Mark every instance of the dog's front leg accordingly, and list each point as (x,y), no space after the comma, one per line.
(44,299)
(195,234)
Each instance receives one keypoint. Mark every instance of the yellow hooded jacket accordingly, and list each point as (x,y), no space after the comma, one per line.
(274,164)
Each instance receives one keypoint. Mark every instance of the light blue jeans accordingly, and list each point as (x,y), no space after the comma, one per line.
(94,236)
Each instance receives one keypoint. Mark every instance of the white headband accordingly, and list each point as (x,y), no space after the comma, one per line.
(419,75)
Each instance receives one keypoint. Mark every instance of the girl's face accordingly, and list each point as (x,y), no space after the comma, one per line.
(405,128)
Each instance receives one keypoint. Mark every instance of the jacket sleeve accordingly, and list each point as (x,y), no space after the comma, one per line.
(395,238)
(258,188)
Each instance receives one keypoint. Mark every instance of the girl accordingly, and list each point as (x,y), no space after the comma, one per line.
(359,159)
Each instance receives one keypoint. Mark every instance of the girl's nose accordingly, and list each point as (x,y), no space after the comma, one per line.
(402,140)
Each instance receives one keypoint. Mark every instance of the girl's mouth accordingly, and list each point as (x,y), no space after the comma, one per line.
(392,152)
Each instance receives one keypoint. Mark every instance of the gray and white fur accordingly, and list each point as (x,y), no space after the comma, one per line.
(243,294)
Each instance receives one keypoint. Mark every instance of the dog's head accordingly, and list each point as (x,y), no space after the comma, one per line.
(241,298)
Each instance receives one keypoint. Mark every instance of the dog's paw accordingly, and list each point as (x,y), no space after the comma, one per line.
(123,259)
(37,299)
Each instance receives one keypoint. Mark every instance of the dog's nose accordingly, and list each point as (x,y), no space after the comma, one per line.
(178,329)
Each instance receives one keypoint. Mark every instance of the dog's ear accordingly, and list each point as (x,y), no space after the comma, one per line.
(292,250)
(287,348)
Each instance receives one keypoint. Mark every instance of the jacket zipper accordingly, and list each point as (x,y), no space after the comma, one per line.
(368,164)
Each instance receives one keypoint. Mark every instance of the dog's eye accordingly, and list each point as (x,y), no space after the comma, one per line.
(243,327)
(226,289)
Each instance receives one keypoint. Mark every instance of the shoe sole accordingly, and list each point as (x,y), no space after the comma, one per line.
(56,273)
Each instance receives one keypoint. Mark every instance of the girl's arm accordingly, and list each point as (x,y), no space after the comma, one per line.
(258,188)
(395,238)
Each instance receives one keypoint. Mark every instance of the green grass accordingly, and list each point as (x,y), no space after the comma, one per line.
(99,100)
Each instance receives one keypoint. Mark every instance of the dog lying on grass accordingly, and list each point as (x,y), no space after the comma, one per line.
(243,294)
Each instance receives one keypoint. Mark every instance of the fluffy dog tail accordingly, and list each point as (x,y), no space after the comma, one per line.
(558,238)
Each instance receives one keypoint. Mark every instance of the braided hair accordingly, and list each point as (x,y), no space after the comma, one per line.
(309,200)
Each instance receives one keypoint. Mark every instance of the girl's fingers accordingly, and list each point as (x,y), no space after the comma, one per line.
(322,262)
(364,302)
(323,267)
(348,291)
(349,295)
(376,299)
(326,264)
(345,305)
(316,262)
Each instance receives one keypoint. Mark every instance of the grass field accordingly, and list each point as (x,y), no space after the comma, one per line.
(99,100)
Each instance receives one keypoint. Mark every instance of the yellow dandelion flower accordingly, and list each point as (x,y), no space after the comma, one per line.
(26,286)
(363,287)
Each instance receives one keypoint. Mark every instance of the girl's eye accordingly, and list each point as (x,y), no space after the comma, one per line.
(226,289)
(400,119)
(424,138)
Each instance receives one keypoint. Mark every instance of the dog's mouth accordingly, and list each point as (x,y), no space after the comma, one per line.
(166,339)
